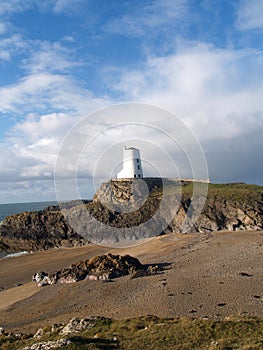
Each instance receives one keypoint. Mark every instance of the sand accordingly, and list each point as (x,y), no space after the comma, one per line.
(214,275)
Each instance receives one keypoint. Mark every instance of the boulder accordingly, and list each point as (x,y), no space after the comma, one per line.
(56,344)
(77,325)
(103,267)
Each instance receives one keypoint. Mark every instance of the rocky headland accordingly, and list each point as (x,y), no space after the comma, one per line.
(124,210)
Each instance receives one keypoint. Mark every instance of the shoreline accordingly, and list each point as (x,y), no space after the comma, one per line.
(13,255)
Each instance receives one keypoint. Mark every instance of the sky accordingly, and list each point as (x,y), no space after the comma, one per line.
(63,60)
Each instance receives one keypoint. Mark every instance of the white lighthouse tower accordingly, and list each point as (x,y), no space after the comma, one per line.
(131,166)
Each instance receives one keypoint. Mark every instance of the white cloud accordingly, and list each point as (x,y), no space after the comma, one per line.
(149,16)
(30,149)
(41,131)
(30,92)
(44,92)
(46,101)
(68,6)
(11,46)
(69,39)
(49,57)
(250,14)
(9,7)
(216,91)
(29,152)
(14,6)
(48,84)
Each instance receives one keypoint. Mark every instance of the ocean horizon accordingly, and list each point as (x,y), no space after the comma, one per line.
(16,208)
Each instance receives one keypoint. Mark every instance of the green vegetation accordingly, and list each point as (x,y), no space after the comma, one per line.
(228,191)
(154,333)
(236,192)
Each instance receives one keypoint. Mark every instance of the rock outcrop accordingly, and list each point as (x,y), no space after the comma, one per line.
(225,215)
(126,210)
(77,325)
(132,209)
(37,230)
(55,344)
(103,267)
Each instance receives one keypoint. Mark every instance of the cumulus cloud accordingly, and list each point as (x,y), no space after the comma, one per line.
(31,147)
(250,14)
(217,89)
(47,102)
(28,157)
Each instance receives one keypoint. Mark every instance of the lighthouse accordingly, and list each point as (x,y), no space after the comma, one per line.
(131,165)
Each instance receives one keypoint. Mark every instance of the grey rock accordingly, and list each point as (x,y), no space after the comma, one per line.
(77,325)
(103,267)
(49,345)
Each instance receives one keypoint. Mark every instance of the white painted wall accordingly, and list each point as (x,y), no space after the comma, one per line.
(131,166)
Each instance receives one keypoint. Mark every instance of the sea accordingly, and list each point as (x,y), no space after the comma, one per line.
(16,208)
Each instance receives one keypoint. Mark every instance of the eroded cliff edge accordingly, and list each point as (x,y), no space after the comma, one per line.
(136,209)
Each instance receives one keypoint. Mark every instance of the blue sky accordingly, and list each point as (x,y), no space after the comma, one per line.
(61,60)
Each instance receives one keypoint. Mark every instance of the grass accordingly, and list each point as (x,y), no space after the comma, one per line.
(236,192)
(150,332)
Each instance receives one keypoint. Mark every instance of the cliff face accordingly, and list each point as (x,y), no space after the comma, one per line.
(135,209)
(220,214)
